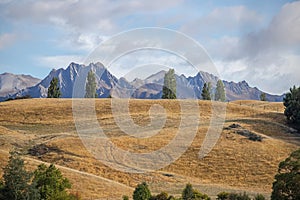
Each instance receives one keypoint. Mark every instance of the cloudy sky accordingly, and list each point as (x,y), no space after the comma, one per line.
(256,41)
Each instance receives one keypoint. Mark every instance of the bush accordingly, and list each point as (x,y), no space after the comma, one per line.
(161,196)
(18,98)
(222,196)
(189,193)
(259,197)
(125,197)
(142,192)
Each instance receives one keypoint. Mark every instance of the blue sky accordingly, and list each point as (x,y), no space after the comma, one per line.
(256,41)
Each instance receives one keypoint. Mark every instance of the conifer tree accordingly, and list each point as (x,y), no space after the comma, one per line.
(169,88)
(90,87)
(17,180)
(142,192)
(292,105)
(53,90)
(220,92)
(206,92)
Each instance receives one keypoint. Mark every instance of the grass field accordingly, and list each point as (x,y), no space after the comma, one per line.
(235,163)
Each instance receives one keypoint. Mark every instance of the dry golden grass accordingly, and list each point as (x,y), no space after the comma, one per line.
(234,164)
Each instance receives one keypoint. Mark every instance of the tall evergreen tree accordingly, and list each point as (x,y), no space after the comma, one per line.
(53,90)
(206,92)
(292,105)
(17,180)
(263,96)
(220,92)
(169,88)
(90,87)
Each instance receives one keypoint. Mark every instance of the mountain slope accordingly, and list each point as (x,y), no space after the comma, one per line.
(66,80)
(149,88)
(11,83)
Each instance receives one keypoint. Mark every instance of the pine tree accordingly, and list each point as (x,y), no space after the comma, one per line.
(263,96)
(142,192)
(287,181)
(17,180)
(169,88)
(220,92)
(90,87)
(53,90)
(292,105)
(50,182)
(206,91)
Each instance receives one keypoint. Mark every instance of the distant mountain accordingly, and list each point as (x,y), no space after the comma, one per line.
(11,83)
(191,87)
(149,88)
(66,79)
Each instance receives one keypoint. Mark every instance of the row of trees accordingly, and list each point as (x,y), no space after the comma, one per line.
(169,88)
(285,187)
(90,87)
(45,183)
(142,192)
(219,93)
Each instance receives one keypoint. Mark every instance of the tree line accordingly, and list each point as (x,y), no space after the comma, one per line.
(90,87)
(285,187)
(142,192)
(169,88)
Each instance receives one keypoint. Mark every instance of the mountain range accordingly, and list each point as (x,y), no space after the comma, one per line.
(12,86)
(11,83)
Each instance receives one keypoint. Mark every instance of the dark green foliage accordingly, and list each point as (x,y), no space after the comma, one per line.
(199,196)
(220,92)
(188,192)
(259,197)
(161,196)
(125,197)
(17,180)
(142,192)
(292,105)
(234,196)
(53,90)
(287,181)
(169,88)
(1,189)
(206,91)
(223,196)
(18,98)
(263,96)
(50,183)
(90,87)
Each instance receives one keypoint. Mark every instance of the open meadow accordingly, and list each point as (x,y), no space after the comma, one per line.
(44,130)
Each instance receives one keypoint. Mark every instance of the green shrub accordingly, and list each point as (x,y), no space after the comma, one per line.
(142,192)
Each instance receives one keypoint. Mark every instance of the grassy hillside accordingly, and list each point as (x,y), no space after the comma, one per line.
(235,164)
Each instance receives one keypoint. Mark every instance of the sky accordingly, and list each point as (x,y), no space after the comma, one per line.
(256,41)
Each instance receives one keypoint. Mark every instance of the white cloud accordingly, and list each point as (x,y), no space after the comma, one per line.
(56,62)
(7,39)
(268,58)
(82,20)
(222,20)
